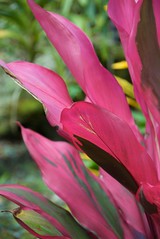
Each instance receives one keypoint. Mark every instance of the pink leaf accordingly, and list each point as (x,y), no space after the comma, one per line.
(128,17)
(125,16)
(150,58)
(113,135)
(151,194)
(131,212)
(25,197)
(64,172)
(156,223)
(60,218)
(77,52)
(44,84)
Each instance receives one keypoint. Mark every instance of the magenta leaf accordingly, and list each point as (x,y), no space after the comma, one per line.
(103,127)
(156,223)
(126,16)
(150,75)
(134,231)
(59,217)
(44,84)
(108,210)
(60,163)
(150,197)
(78,53)
(111,134)
(128,205)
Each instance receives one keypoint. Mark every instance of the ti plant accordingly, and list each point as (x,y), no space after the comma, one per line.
(124,200)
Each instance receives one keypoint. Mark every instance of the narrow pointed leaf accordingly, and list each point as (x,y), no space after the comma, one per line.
(59,217)
(130,208)
(108,210)
(78,53)
(150,59)
(44,84)
(60,163)
(127,16)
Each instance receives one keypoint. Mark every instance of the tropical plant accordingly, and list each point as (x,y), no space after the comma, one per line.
(21,38)
(124,200)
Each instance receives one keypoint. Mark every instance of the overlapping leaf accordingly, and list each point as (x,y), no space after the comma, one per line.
(77,52)
(64,172)
(150,75)
(44,84)
(131,212)
(109,163)
(138,26)
(59,217)
(150,197)
(113,135)
(89,198)
(125,16)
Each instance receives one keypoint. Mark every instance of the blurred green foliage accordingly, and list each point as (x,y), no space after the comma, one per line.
(140,120)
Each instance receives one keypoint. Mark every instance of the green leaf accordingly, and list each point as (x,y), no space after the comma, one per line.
(107,208)
(35,221)
(25,197)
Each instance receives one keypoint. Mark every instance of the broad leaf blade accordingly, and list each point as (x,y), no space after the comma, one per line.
(78,53)
(59,162)
(111,134)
